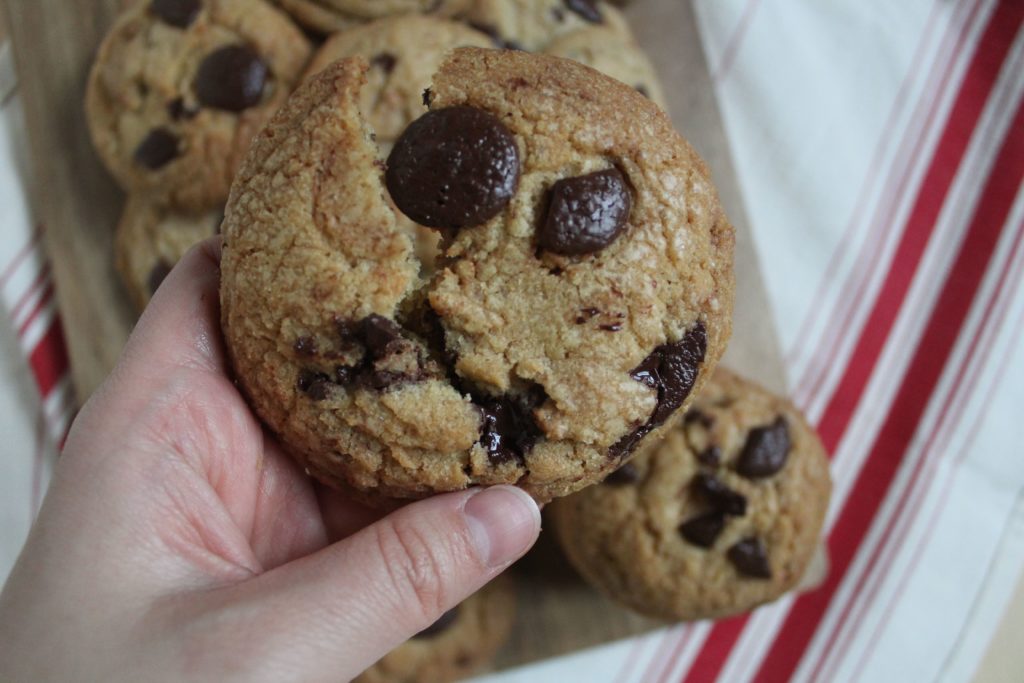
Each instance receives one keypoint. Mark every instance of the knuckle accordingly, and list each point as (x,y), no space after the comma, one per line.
(415,569)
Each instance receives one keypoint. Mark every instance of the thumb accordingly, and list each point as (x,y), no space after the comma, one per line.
(336,612)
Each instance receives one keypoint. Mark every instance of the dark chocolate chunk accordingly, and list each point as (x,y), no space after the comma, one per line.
(721,497)
(611,327)
(453,168)
(443,623)
(671,369)
(231,78)
(586,213)
(345,375)
(496,38)
(426,97)
(386,61)
(314,384)
(178,110)
(586,9)
(710,456)
(305,346)
(157,275)
(558,14)
(377,332)
(180,13)
(509,430)
(695,415)
(703,529)
(750,558)
(627,474)
(765,451)
(157,149)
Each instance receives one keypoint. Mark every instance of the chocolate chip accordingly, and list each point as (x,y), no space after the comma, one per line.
(509,430)
(710,456)
(720,496)
(314,384)
(558,14)
(586,213)
(671,369)
(611,327)
(695,415)
(642,89)
(750,558)
(627,474)
(157,149)
(180,13)
(178,110)
(443,623)
(703,529)
(231,78)
(426,97)
(157,275)
(765,451)
(305,346)
(377,332)
(345,375)
(453,168)
(386,61)
(586,9)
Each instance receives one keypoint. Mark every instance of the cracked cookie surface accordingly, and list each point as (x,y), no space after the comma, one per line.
(180,87)
(720,517)
(512,363)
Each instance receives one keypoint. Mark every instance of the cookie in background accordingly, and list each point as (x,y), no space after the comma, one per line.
(533,24)
(723,515)
(328,16)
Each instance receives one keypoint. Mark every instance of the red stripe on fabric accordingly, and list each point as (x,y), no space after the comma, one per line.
(709,661)
(44,300)
(914,393)
(49,359)
(41,280)
(21,255)
(732,46)
(800,624)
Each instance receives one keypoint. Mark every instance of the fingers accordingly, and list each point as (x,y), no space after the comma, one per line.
(334,613)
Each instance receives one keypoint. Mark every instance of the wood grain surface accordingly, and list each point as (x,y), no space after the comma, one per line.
(79,204)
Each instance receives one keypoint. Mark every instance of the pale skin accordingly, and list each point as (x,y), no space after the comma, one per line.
(179,542)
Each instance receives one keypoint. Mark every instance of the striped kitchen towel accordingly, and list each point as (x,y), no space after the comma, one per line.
(880,151)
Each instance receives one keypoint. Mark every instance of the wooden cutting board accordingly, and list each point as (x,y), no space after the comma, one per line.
(78,204)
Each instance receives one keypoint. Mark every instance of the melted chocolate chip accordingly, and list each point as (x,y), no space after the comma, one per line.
(642,89)
(377,332)
(671,369)
(158,149)
(558,14)
(180,13)
(611,327)
(157,275)
(721,497)
(386,61)
(509,430)
(765,451)
(750,558)
(627,474)
(345,375)
(695,415)
(703,529)
(496,38)
(710,456)
(305,346)
(426,97)
(314,384)
(178,110)
(586,213)
(443,623)
(453,168)
(231,78)
(586,9)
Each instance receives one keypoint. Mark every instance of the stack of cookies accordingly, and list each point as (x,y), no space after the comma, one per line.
(457,254)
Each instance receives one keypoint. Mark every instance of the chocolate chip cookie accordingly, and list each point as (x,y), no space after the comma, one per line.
(722,516)
(403,52)
(150,239)
(584,290)
(613,54)
(534,24)
(329,16)
(459,643)
(180,87)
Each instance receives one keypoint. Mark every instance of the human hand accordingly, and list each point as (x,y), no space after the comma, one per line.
(178,542)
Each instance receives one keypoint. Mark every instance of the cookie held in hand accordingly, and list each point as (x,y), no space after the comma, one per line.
(514,362)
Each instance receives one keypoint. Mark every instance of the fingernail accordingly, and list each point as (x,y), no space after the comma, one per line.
(504,522)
